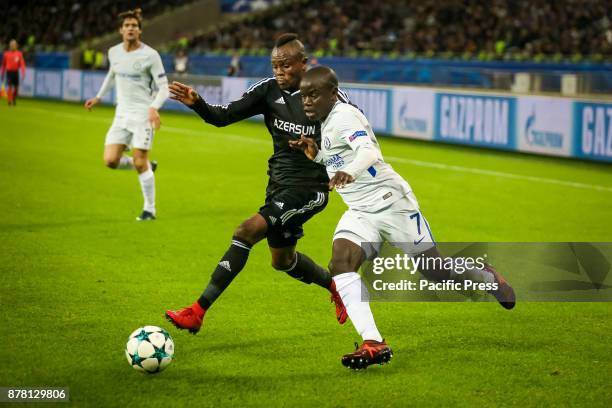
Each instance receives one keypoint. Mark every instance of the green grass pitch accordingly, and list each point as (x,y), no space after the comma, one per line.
(78,274)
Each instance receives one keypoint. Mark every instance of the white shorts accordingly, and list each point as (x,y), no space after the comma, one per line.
(401,224)
(136,133)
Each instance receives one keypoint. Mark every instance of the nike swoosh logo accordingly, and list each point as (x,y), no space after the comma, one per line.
(419,241)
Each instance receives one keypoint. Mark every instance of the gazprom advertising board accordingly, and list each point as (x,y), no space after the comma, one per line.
(48,83)
(375,103)
(72,85)
(26,86)
(547,125)
(413,115)
(593,131)
(544,125)
(475,119)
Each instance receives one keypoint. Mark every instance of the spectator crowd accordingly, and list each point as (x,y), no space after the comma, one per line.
(484,29)
(64,24)
(469,28)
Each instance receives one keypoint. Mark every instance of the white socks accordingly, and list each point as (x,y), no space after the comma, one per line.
(147,184)
(350,287)
(476,275)
(126,162)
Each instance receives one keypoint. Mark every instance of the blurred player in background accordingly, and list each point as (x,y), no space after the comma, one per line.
(134,68)
(12,62)
(382,207)
(297,187)
(181,63)
(235,67)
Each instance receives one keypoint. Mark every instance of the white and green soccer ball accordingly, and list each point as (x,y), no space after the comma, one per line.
(149,349)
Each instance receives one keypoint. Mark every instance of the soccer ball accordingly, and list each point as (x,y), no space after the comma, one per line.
(149,349)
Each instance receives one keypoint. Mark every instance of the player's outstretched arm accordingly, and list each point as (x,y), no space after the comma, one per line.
(183,93)
(106,86)
(250,104)
(306,145)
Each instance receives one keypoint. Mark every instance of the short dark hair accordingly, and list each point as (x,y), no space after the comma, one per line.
(323,75)
(136,13)
(284,39)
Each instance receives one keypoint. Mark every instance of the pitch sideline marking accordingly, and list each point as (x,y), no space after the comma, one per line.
(419,163)
(494,173)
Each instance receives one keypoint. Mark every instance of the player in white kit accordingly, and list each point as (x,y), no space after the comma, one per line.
(382,207)
(137,72)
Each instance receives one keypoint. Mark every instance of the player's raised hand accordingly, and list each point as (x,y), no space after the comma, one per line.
(340,180)
(307,145)
(183,93)
(90,103)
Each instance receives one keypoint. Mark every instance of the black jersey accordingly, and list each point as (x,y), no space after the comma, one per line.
(285,119)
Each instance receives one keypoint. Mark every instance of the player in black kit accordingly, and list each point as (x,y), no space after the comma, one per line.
(297,187)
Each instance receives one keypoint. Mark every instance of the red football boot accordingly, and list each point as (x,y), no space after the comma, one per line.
(341,314)
(504,293)
(370,352)
(189,318)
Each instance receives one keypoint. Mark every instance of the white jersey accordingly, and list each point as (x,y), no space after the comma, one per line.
(140,80)
(345,134)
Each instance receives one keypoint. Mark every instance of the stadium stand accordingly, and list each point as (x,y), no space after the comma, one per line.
(574,30)
(476,29)
(473,43)
(63,24)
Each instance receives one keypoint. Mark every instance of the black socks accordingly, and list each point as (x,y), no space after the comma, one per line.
(305,270)
(230,265)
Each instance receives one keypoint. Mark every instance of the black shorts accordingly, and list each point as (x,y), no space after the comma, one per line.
(12,78)
(286,210)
